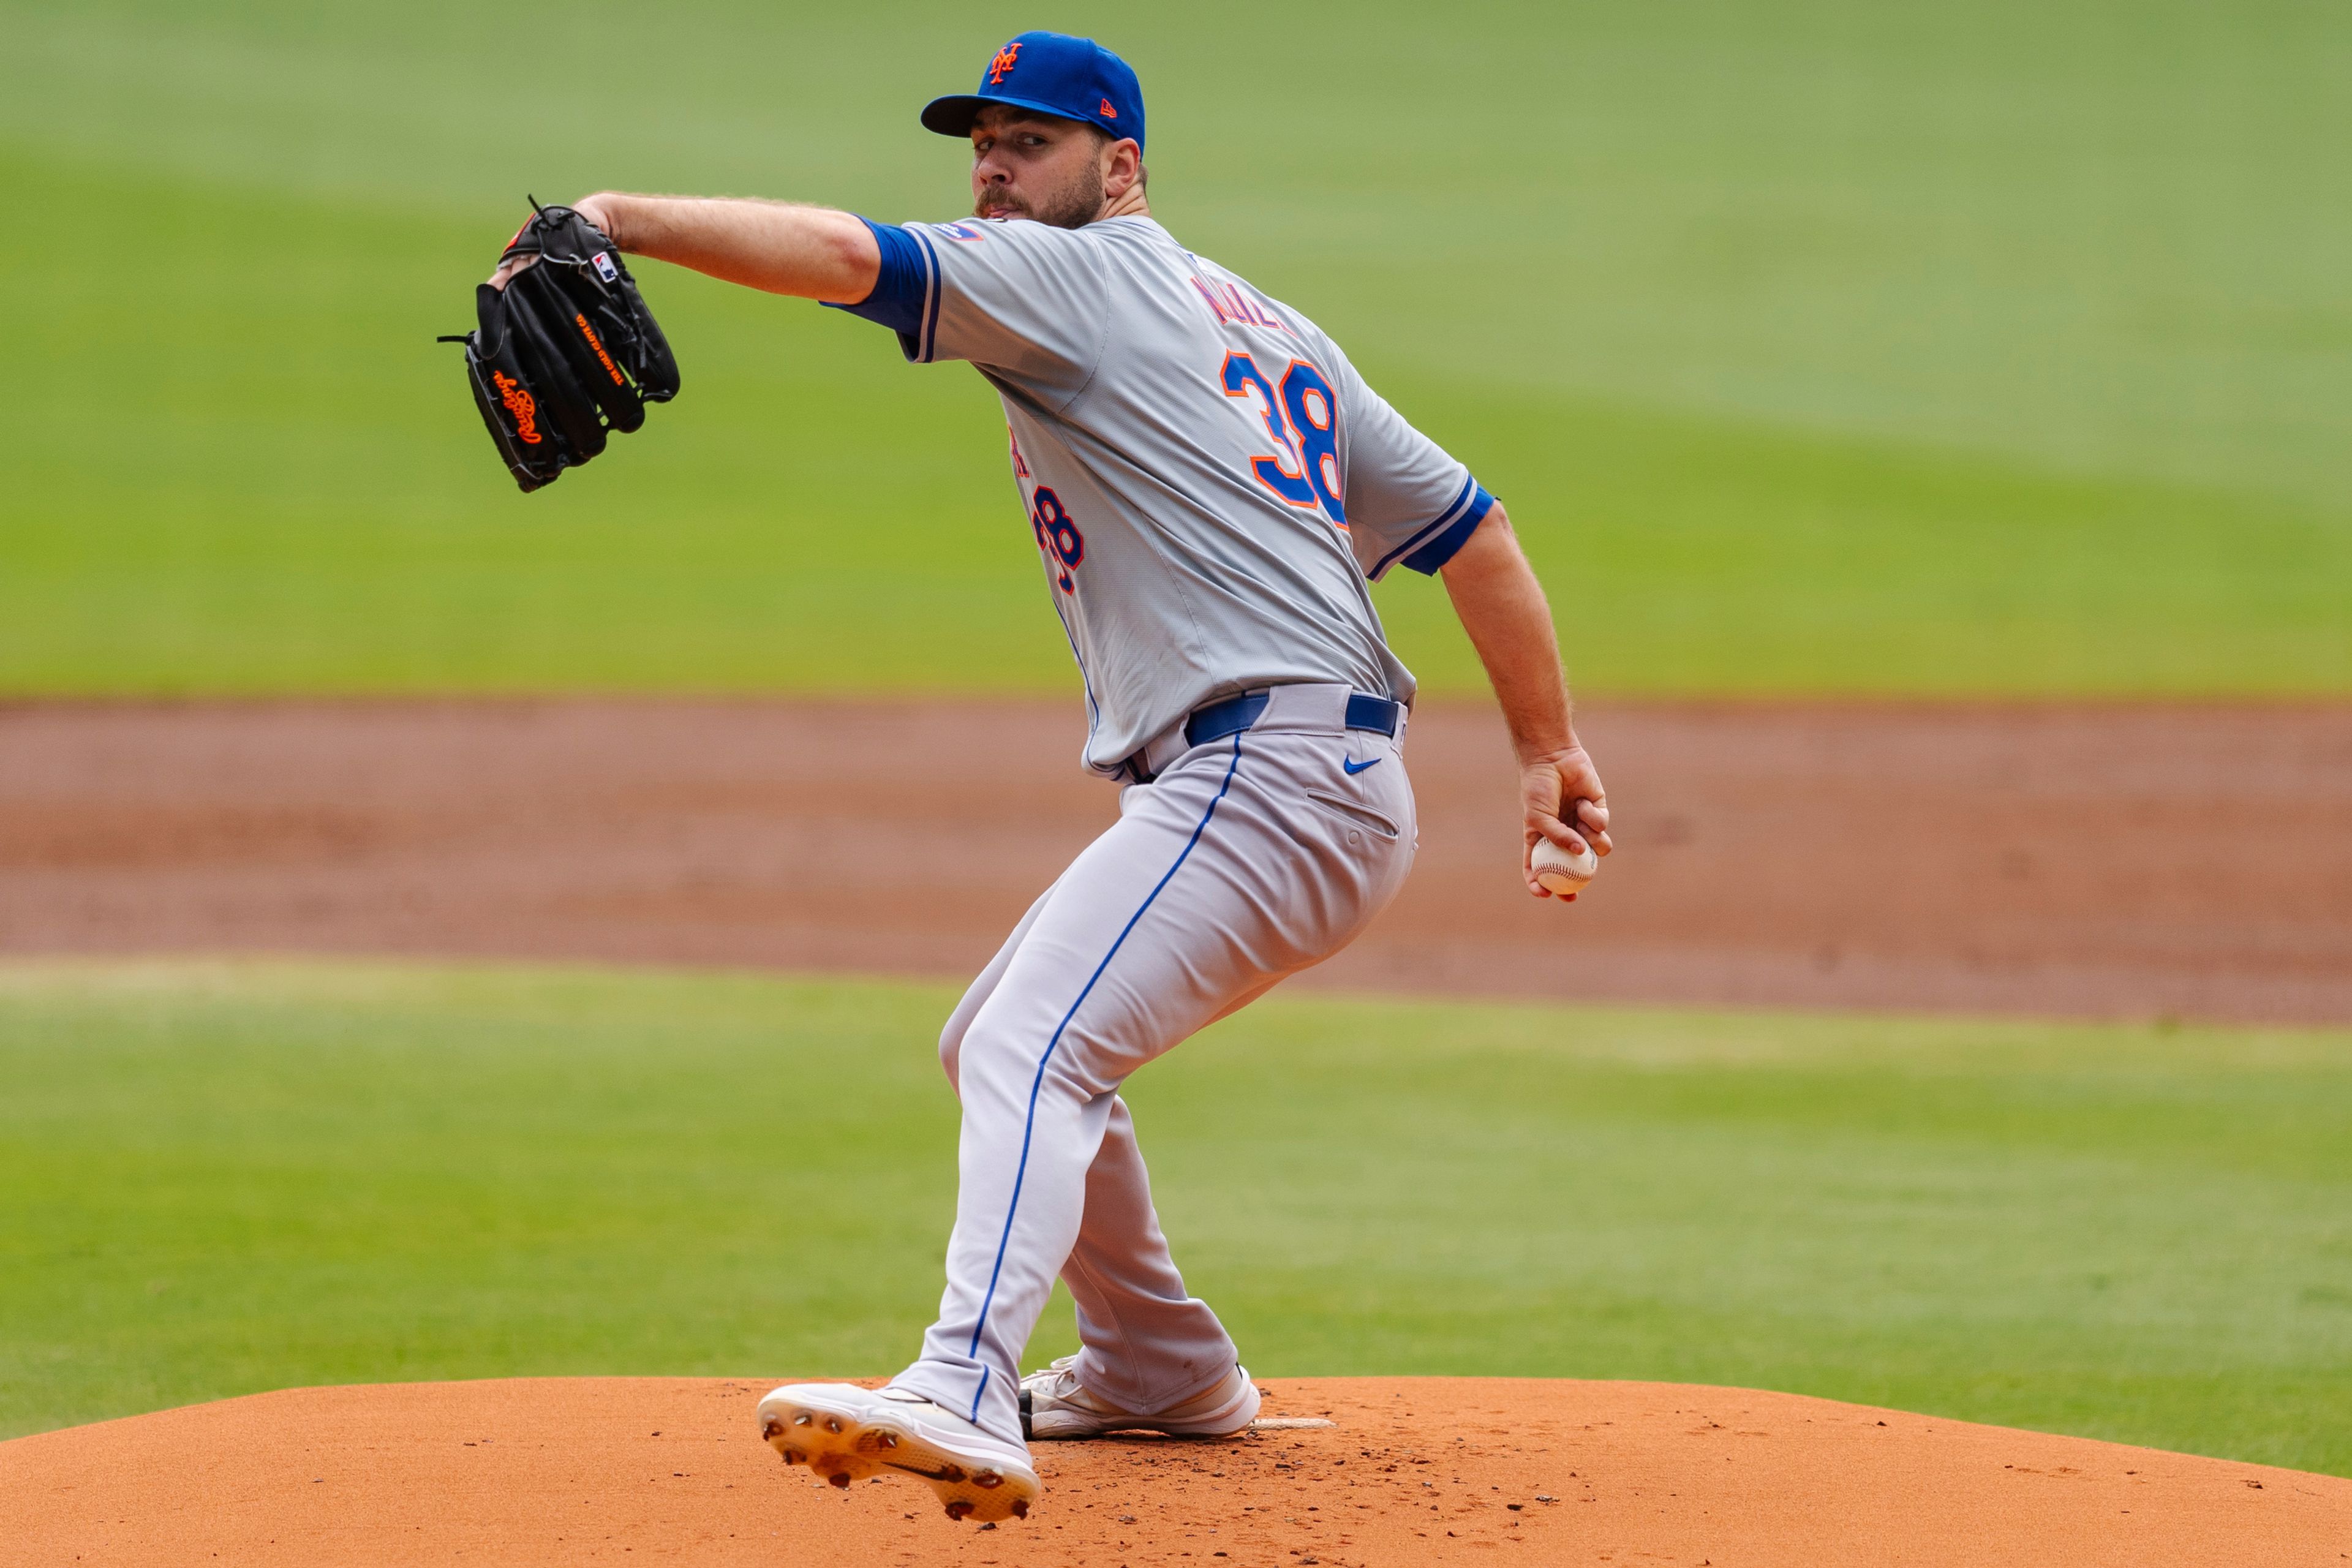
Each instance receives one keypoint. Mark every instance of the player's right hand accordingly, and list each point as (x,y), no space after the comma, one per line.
(1563,800)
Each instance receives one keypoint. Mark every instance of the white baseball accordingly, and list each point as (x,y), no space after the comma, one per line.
(1559,872)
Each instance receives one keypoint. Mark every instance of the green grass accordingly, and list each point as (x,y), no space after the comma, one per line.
(217,1178)
(1817,345)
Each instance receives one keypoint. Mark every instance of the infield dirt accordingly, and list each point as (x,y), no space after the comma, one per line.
(1412,1472)
(2094,860)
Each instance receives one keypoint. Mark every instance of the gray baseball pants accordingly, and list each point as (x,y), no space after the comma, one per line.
(1245,860)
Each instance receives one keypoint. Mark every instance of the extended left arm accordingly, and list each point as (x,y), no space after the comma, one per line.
(816,253)
(1502,606)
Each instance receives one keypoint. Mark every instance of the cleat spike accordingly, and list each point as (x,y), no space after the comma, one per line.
(1021,1508)
(833,1423)
(960,1509)
(840,1480)
(988,1479)
(802,1419)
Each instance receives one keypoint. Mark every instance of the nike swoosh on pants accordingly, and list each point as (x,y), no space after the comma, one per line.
(1354,768)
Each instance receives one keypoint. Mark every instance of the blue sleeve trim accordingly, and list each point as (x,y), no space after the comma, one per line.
(922,349)
(902,288)
(1432,545)
(1441,550)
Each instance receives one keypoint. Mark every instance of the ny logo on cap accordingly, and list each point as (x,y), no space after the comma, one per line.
(1003,62)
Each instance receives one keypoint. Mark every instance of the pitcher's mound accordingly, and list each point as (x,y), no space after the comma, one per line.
(1412,1470)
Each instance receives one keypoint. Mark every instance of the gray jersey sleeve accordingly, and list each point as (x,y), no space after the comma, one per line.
(1408,500)
(1026,299)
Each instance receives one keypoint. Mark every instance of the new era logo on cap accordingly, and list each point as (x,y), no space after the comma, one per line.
(1052,73)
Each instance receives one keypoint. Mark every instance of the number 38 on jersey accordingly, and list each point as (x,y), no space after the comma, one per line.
(1058,536)
(1302,423)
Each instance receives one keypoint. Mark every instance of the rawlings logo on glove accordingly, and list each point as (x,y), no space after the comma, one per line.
(520,404)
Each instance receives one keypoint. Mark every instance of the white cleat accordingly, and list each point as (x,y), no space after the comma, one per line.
(1054,1404)
(845,1433)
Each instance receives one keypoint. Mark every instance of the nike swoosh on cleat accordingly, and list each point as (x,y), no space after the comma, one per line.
(945,1473)
(1355,768)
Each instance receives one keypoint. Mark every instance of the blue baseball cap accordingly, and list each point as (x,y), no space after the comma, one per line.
(1052,73)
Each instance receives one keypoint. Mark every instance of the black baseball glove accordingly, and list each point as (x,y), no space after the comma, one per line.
(566,352)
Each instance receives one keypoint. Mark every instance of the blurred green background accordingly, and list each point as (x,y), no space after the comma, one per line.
(217,1178)
(1828,346)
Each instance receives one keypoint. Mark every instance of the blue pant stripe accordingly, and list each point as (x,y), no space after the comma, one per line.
(1029,1127)
(978,1391)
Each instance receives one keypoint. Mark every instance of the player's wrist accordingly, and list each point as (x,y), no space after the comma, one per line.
(1549,753)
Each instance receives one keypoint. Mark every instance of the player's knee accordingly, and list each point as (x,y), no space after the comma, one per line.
(996,1049)
(982,1047)
(952,1047)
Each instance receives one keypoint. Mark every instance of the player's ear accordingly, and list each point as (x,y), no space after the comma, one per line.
(1123,168)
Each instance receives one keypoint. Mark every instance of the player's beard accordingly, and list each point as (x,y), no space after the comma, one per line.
(1072,206)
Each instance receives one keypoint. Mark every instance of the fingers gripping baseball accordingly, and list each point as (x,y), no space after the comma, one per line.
(1566,823)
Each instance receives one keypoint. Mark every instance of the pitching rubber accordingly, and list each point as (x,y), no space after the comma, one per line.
(844,1438)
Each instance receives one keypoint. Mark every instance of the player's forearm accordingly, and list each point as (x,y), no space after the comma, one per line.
(1503,609)
(814,253)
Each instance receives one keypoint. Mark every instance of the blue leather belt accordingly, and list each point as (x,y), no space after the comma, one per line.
(1234,714)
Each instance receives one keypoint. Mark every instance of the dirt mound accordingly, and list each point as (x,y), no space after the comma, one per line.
(1413,1470)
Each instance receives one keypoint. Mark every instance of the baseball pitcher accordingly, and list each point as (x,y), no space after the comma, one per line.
(1210,487)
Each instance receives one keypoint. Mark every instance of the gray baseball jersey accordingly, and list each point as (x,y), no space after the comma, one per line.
(1210,483)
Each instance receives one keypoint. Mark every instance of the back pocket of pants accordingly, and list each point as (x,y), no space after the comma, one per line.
(1356,815)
